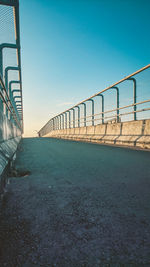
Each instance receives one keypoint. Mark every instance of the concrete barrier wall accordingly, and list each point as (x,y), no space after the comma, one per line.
(133,133)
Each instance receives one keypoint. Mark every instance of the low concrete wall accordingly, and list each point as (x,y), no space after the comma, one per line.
(133,133)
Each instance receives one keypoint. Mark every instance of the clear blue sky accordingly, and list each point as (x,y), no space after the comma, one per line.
(72,49)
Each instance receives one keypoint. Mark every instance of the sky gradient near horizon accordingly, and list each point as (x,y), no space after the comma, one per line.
(73,49)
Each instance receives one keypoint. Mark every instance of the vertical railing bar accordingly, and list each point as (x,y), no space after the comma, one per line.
(92,110)
(117,100)
(102,97)
(78,115)
(134,95)
(69,119)
(73,117)
(84,113)
(65,120)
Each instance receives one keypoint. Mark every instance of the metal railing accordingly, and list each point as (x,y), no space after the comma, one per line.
(105,115)
(11,98)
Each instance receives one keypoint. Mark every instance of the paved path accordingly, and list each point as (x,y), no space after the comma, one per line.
(82,205)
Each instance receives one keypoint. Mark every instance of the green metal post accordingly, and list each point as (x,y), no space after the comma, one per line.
(134,96)
(57,122)
(73,117)
(65,120)
(62,121)
(69,118)
(117,97)
(11,83)
(15,91)
(84,114)
(78,115)
(102,97)
(6,74)
(52,125)
(92,110)
(2,46)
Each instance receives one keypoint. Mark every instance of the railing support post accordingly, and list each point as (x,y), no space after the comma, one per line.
(51,125)
(73,117)
(62,121)
(10,86)
(59,122)
(12,98)
(134,95)
(65,120)
(117,90)
(92,110)
(54,124)
(6,82)
(84,114)
(102,97)
(69,119)
(2,46)
(15,91)
(78,116)
(6,75)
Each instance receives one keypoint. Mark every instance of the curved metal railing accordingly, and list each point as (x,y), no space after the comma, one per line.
(62,121)
(11,98)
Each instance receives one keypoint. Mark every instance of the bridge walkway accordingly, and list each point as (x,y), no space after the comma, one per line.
(82,205)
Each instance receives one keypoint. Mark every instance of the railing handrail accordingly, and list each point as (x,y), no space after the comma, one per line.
(107,88)
(113,110)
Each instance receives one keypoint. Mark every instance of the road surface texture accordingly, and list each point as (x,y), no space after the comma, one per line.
(82,205)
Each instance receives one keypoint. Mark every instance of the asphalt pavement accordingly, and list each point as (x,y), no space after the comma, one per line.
(81,205)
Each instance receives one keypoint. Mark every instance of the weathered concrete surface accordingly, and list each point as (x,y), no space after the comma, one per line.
(133,133)
(82,205)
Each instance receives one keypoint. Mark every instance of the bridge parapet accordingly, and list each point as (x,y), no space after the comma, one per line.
(123,110)
(10,63)
(11,107)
